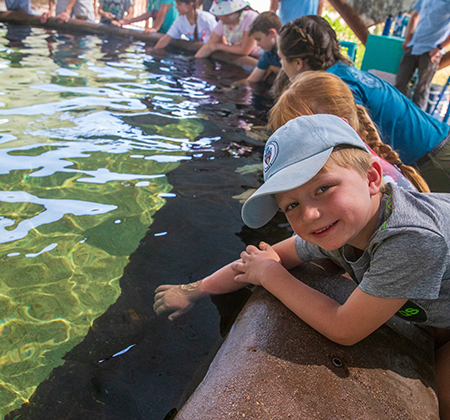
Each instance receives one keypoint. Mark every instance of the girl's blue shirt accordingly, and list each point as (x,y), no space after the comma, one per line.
(405,127)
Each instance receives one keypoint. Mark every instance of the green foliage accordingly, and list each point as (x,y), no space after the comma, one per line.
(344,33)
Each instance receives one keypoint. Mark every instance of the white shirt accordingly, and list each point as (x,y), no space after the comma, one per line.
(182,29)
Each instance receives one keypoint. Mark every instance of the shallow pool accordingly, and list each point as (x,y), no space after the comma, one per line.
(118,172)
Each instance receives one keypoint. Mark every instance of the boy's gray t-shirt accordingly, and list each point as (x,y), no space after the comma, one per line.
(408,256)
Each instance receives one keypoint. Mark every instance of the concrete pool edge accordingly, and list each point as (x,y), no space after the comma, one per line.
(76,25)
(273,365)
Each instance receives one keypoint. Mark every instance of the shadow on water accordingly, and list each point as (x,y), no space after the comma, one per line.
(133,364)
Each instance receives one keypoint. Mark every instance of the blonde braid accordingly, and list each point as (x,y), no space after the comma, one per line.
(370,136)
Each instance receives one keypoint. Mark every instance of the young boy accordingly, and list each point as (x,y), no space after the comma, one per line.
(394,243)
(112,11)
(265,30)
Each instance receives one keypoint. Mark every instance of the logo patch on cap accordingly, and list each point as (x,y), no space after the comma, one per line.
(270,154)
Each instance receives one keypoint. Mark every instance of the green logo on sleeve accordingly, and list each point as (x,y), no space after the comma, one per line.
(412,312)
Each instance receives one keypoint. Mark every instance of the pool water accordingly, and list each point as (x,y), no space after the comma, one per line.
(97,137)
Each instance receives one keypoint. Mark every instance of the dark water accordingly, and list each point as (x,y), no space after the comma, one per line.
(121,170)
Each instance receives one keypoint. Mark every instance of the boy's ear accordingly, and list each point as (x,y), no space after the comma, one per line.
(375,177)
(273,32)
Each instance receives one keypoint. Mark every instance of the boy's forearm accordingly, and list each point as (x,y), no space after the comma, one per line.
(220,282)
(313,307)
(344,324)
(256,75)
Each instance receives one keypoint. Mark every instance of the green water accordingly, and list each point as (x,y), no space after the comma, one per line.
(82,173)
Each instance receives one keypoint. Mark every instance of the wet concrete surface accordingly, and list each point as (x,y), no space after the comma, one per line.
(274,366)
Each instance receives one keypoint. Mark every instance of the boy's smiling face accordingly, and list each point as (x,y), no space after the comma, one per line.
(265,41)
(336,207)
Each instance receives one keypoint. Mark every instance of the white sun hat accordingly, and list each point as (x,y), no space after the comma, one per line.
(226,7)
(293,155)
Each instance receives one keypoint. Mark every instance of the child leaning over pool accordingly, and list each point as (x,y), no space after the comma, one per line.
(265,29)
(394,243)
(193,24)
(231,33)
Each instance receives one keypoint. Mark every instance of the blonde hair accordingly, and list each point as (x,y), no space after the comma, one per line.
(350,157)
(317,92)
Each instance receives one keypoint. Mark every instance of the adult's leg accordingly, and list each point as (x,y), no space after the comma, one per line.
(436,170)
(443,373)
(427,69)
(405,72)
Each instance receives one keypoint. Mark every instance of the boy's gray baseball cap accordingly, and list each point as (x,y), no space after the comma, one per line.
(293,155)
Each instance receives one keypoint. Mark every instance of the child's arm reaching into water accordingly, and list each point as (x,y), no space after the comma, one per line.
(178,299)
(344,324)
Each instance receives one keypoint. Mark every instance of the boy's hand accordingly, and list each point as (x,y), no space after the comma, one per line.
(109,15)
(253,263)
(176,299)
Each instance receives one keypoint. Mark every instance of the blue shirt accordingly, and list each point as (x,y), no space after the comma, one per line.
(291,9)
(410,131)
(269,58)
(171,15)
(433,26)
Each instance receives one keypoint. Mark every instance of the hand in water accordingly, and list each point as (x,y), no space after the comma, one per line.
(176,299)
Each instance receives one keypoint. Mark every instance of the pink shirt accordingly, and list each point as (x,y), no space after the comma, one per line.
(234,35)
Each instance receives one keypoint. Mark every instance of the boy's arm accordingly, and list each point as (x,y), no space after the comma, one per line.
(107,15)
(257,75)
(161,15)
(344,324)
(178,299)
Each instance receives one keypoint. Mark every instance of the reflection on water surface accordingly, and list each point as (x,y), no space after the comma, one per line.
(87,136)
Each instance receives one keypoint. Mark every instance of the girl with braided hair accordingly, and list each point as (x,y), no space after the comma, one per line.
(310,43)
(193,24)
(324,93)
